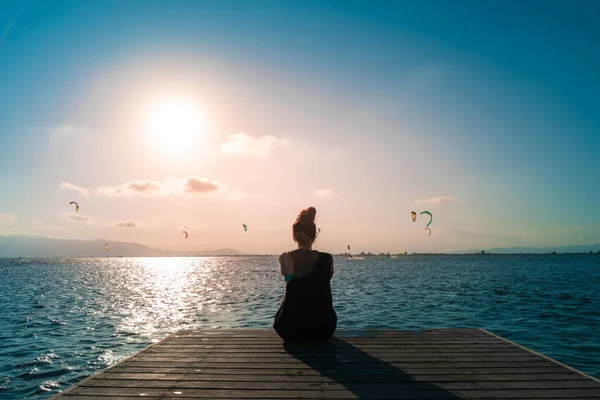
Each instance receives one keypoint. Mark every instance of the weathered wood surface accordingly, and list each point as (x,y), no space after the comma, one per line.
(256,364)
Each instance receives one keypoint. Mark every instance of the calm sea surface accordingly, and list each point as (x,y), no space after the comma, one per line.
(64,319)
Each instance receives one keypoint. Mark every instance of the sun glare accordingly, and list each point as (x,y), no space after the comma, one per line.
(174,126)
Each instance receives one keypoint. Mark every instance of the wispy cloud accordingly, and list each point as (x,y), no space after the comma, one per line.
(242,144)
(189,186)
(436,200)
(127,224)
(75,188)
(324,192)
(76,217)
(147,188)
(5,221)
(199,185)
(6,218)
(9,27)
(62,131)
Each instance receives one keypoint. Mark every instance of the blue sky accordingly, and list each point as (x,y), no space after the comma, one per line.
(486,111)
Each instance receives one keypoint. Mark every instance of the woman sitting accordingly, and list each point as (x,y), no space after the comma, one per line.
(306,311)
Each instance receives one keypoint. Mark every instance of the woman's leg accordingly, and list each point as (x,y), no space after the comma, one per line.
(283,328)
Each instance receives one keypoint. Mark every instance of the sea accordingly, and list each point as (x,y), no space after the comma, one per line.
(62,320)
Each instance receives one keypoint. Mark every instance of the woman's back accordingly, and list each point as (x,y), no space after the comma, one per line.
(306,311)
(309,291)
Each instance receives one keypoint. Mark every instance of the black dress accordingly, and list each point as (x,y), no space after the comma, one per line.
(306,312)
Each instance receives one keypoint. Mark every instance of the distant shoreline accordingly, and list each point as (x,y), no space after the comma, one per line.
(335,255)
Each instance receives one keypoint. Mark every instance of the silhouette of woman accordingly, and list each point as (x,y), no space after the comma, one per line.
(306,311)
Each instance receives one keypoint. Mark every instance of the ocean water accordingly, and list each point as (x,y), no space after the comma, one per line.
(62,320)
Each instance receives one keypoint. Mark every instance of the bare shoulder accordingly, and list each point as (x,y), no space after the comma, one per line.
(285,258)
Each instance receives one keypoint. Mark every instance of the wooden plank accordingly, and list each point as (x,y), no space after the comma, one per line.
(404,396)
(339,344)
(403,365)
(341,338)
(336,394)
(355,373)
(328,386)
(387,344)
(344,359)
(280,348)
(338,333)
(379,354)
(447,377)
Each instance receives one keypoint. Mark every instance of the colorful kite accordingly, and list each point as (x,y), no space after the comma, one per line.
(430,216)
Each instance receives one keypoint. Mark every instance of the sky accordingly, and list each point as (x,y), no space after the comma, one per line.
(164,116)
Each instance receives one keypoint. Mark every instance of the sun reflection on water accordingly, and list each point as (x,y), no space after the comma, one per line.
(166,292)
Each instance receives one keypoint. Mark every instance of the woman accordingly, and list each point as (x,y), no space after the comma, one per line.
(306,312)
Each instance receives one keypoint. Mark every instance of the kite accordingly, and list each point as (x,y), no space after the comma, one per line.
(186,234)
(245,227)
(348,247)
(319,230)
(427,229)
(76,205)
(105,246)
(430,216)
(414,215)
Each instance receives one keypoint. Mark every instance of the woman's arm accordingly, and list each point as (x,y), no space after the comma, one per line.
(331,268)
(286,264)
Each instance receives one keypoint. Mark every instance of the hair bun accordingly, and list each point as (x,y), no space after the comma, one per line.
(304,229)
(309,214)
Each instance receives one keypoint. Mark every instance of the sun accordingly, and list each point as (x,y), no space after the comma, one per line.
(174,126)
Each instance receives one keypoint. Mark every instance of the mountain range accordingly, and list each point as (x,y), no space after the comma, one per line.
(39,246)
(13,246)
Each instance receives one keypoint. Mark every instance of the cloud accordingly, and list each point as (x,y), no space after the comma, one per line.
(242,144)
(199,185)
(436,200)
(324,192)
(188,186)
(5,221)
(79,218)
(9,27)
(76,217)
(75,188)
(63,131)
(127,224)
(144,186)
(6,218)
(139,187)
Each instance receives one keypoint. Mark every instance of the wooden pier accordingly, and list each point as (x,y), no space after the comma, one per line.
(256,364)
